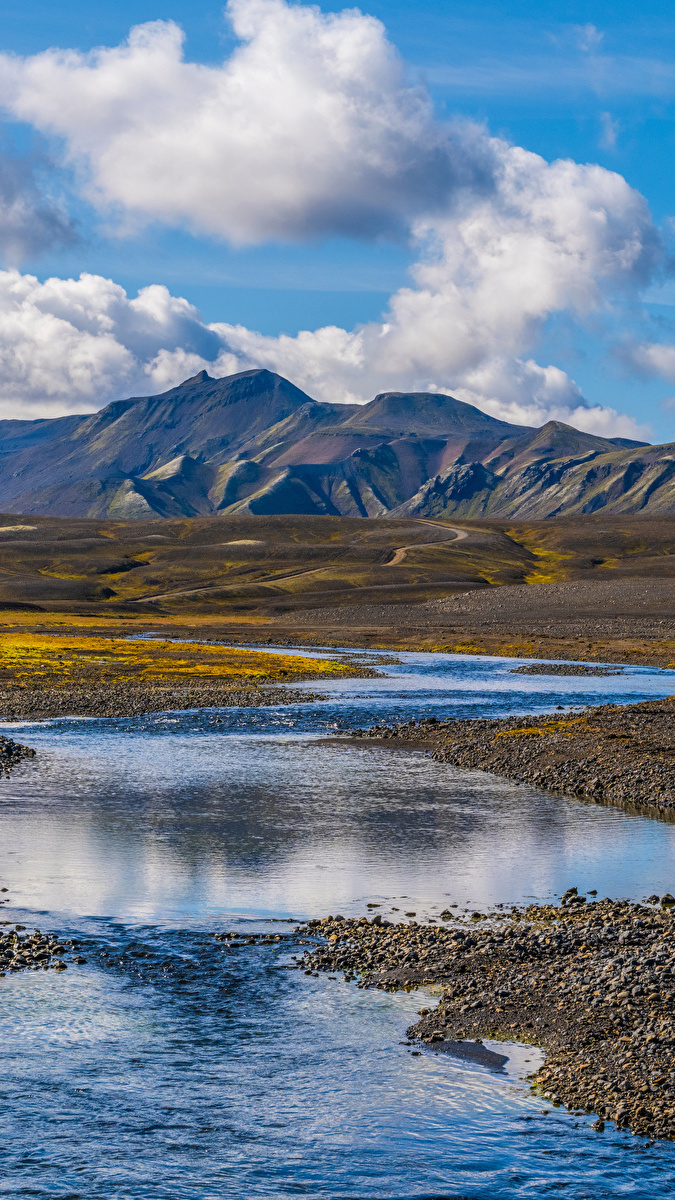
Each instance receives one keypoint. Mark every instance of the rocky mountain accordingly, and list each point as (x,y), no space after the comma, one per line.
(255,443)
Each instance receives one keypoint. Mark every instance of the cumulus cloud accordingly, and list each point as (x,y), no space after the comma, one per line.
(309,128)
(651,359)
(72,345)
(549,238)
(30,221)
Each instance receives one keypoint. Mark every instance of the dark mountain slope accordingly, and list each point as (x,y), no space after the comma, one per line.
(559,471)
(255,443)
(75,466)
(429,414)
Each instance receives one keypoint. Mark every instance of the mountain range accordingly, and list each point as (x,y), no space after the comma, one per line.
(255,443)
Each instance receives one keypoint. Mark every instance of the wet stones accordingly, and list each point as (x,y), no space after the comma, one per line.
(543,668)
(12,753)
(592,982)
(21,951)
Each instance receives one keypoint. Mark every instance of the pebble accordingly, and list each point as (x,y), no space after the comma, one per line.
(591,981)
(12,753)
(542,668)
(21,951)
(133,700)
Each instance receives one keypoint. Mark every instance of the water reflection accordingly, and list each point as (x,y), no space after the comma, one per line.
(178,817)
(179,1074)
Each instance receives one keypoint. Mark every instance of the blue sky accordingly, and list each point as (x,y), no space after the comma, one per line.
(594,83)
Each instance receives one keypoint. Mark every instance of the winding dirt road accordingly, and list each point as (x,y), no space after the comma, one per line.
(400,553)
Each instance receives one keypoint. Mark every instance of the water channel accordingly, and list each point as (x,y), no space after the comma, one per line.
(163,1069)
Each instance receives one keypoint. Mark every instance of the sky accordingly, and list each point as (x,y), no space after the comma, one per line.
(475,199)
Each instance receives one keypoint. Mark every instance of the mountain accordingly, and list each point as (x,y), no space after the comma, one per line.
(255,443)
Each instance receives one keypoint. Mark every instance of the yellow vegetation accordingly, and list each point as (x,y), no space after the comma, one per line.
(547,569)
(549,559)
(542,730)
(462,648)
(528,731)
(26,656)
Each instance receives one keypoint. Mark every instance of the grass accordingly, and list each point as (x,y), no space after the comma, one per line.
(545,728)
(26,656)
(81,577)
(547,567)
(106,567)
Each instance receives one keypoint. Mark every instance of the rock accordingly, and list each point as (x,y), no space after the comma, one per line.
(586,981)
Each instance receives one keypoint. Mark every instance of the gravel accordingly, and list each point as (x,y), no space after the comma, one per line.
(22,951)
(12,753)
(593,982)
(130,700)
(563,669)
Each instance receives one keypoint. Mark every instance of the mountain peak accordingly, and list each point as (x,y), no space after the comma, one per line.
(216,445)
(200,377)
(429,414)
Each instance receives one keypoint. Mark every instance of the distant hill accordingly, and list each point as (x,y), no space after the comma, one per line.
(255,443)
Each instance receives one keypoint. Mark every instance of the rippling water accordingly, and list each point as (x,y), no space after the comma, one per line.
(167,1068)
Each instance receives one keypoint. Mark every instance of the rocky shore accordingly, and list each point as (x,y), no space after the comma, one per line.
(110,699)
(22,951)
(592,982)
(619,754)
(11,753)
(541,668)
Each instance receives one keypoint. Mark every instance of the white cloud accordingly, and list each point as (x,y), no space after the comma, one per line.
(651,359)
(588,37)
(609,131)
(73,345)
(549,238)
(307,129)
(561,77)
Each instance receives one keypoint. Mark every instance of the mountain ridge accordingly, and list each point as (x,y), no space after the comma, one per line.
(253,442)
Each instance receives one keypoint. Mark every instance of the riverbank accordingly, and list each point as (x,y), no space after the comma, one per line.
(38,703)
(602,620)
(11,753)
(618,754)
(592,982)
(59,673)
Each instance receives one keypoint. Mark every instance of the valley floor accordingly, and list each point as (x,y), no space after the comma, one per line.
(613,620)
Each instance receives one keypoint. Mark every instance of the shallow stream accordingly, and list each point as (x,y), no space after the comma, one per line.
(165,1068)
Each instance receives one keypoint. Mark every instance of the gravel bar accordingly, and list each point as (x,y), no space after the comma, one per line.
(136,700)
(541,668)
(592,982)
(21,951)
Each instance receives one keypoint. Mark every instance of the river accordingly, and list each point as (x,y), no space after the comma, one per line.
(165,1068)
